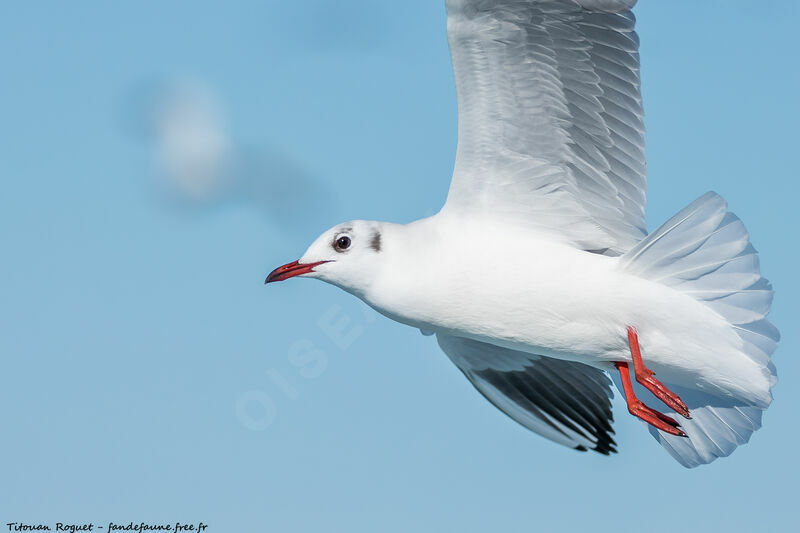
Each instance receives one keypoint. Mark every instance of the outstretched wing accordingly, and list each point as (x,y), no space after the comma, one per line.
(550,130)
(566,402)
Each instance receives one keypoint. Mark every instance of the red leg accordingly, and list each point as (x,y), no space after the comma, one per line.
(644,376)
(640,410)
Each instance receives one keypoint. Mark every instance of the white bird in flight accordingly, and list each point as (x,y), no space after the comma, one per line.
(538,277)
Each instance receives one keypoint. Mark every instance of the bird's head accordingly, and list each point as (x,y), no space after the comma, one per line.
(346,255)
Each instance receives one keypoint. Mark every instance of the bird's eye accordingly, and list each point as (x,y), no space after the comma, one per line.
(342,243)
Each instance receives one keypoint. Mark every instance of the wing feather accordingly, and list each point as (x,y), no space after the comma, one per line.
(563,401)
(551,132)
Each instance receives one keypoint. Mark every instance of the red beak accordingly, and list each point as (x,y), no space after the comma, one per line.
(290,270)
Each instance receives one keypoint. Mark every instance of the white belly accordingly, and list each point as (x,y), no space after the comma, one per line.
(553,300)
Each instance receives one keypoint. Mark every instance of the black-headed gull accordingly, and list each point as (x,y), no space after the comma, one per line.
(538,277)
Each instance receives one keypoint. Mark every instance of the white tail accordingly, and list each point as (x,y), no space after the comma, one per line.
(705,251)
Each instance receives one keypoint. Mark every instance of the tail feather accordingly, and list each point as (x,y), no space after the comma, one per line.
(705,252)
(717,427)
(761,339)
(715,430)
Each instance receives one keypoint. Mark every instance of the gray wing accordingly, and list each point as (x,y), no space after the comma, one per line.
(550,130)
(563,401)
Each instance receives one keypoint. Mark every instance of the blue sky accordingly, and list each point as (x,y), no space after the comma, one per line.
(149,375)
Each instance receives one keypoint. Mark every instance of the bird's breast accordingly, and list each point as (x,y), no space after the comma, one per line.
(547,298)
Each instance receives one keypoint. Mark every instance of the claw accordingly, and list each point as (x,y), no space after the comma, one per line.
(661,416)
(644,376)
(654,418)
(638,409)
(669,398)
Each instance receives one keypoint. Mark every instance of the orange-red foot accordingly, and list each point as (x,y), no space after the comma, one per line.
(635,406)
(644,376)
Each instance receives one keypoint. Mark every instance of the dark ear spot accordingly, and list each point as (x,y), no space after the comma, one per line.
(375,244)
